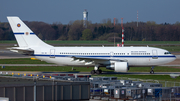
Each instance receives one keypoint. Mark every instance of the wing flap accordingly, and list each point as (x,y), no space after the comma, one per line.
(94,60)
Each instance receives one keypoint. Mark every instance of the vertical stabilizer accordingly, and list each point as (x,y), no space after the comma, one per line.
(24,36)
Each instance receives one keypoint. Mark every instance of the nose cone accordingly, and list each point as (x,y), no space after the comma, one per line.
(173,58)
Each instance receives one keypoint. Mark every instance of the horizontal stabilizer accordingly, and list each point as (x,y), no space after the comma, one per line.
(23,51)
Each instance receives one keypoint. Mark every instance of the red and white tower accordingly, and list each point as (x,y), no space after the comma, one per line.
(114,33)
(114,21)
(122,32)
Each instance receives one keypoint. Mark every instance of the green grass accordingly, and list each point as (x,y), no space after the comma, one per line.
(67,68)
(78,42)
(101,42)
(83,69)
(156,69)
(170,48)
(152,42)
(6,41)
(21,61)
(47,68)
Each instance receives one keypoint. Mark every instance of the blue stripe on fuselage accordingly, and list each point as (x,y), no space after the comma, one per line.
(23,33)
(161,56)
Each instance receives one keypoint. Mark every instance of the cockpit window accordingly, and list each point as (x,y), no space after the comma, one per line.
(167,53)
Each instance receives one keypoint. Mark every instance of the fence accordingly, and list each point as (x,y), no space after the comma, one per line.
(164,83)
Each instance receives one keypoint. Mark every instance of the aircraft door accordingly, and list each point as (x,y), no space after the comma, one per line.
(154,54)
(52,53)
(111,54)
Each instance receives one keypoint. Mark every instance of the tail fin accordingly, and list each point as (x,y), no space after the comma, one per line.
(24,36)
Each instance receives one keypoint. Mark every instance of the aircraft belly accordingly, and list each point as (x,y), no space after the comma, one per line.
(139,61)
(160,61)
(67,61)
(63,61)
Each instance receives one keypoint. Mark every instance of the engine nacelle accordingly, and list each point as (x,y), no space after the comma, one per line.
(121,67)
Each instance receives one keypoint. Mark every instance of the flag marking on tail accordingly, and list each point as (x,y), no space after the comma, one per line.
(27,33)
(19,25)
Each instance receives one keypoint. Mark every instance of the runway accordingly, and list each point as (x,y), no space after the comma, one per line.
(88,73)
(6,54)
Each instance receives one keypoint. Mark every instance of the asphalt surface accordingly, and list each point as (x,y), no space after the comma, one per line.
(6,54)
(88,73)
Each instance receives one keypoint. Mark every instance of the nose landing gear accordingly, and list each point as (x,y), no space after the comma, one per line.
(152,71)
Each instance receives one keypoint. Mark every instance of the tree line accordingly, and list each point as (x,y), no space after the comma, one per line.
(146,31)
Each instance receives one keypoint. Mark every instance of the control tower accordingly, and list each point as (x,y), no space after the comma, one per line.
(85,18)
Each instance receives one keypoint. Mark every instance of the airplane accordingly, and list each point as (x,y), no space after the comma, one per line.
(119,59)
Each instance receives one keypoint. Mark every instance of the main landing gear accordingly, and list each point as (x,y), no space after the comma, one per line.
(96,70)
(152,71)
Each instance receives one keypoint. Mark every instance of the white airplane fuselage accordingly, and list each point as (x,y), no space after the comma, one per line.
(135,56)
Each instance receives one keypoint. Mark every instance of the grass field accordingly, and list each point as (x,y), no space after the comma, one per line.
(83,69)
(86,69)
(5,41)
(21,61)
(101,42)
(168,45)
(106,42)
(170,48)
(67,68)
(152,42)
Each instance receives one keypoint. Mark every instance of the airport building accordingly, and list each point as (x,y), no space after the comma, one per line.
(60,87)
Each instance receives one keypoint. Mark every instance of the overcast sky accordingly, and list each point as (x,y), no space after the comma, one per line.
(63,11)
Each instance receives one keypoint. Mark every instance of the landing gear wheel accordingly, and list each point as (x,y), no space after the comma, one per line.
(151,72)
(98,72)
(93,72)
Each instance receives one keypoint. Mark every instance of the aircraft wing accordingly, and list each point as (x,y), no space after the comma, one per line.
(93,60)
(24,51)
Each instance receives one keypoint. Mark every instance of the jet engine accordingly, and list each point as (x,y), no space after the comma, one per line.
(119,66)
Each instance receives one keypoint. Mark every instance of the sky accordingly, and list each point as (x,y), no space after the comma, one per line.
(64,11)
